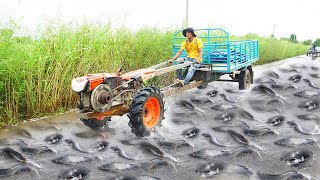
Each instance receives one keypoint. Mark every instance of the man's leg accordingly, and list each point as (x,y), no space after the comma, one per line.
(191,71)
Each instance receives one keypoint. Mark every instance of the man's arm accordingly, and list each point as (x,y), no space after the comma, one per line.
(200,56)
(178,54)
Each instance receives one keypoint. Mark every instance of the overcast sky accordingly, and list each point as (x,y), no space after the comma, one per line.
(236,16)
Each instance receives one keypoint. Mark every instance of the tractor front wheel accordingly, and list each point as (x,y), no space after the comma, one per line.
(94,123)
(146,111)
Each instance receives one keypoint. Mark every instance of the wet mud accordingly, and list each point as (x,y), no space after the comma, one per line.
(269,131)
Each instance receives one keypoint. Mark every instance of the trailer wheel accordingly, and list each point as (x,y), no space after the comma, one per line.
(244,79)
(94,123)
(146,111)
(251,74)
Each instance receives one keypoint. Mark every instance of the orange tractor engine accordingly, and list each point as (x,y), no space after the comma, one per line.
(105,95)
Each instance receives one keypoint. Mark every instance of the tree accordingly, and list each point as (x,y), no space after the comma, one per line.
(293,38)
(307,42)
(317,42)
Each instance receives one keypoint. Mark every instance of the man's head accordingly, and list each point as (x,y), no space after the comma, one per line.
(189,33)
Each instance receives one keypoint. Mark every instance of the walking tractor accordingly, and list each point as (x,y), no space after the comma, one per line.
(105,95)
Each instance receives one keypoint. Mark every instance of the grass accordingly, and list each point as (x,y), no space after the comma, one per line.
(36,73)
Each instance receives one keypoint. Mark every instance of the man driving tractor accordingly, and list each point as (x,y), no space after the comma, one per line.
(193,46)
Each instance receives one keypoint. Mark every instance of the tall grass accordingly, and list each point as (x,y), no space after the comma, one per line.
(271,49)
(36,73)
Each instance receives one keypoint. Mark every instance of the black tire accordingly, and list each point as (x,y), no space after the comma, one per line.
(244,79)
(94,123)
(137,111)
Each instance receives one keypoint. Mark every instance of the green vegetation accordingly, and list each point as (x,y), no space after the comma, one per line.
(36,73)
(317,42)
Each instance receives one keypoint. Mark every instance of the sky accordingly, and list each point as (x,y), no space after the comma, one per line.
(281,17)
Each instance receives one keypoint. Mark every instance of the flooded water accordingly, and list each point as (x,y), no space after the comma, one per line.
(270,131)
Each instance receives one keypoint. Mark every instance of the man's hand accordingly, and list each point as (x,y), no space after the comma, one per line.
(198,60)
(170,60)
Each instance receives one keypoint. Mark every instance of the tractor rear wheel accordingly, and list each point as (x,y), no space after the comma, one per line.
(94,123)
(146,111)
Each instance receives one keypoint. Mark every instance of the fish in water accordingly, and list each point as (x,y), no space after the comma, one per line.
(265,81)
(75,145)
(131,177)
(31,150)
(307,93)
(308,117)
(174,145)
(289,175)
(233,91)
(213,140)
(155,163)
(24,133)
(14,170)
(199,100)
(294,141)
(88,134)
(244,151)
(225,117)
(237,137)
(311,83)
(264,90)
(295,78)
(11,153)
(276,120)
(208,153)
(310,104)
(151,148)
(212,93)
(72,159)
(299,129)
(273,74)
(258,132)
(246,114)
(224,107)
(119,167)
(191,132)
(227,98)
(186,104)
(75,173)
(275,102)
(289,70)
(134,141)
(53,138)
(101,145)
(315,68)
(122,153)
(283,86)
(315,75)
(211,168)
(297,158)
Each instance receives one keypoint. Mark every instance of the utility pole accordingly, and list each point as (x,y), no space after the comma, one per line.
(274,27)
(187,12)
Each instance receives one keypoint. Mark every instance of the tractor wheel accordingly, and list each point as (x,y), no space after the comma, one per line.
(94,123)
(244,79)
(146,111)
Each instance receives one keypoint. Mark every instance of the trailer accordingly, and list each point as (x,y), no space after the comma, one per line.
(104,95)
